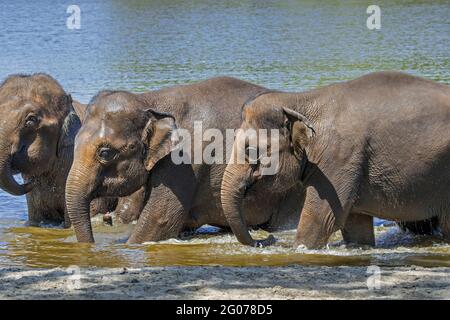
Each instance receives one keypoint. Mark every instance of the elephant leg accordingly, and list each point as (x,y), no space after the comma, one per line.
(129,208)
(167,210)
(328,203)
(162,218)
(423,227)
(102,206)
(317,224)
(444,224)
(359,230)
(41,210)
(288,213)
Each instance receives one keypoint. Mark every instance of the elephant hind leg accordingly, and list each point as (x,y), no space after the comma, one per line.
(423,227)
(358,230)
(444,225)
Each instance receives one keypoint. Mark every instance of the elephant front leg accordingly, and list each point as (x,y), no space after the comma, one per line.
(359,230)
(129,208)
(327,206)
(167,210)
(315,227)
(102,206)
(163,217)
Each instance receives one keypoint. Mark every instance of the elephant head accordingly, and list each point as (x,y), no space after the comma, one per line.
(36,123)
(287,152)
(121,139)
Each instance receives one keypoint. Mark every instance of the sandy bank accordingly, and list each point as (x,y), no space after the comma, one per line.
(291,282)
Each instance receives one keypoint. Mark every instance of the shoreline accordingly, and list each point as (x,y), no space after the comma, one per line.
(289,282)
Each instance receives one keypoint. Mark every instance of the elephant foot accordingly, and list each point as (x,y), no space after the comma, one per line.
(108,218)
(351,245)
(358,231)
(270,240)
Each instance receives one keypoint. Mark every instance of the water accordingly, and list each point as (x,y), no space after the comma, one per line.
(137,46)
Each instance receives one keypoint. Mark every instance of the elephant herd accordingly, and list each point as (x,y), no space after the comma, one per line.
(376,146)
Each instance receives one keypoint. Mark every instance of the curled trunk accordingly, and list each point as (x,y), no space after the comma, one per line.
(235,181)
(7,181)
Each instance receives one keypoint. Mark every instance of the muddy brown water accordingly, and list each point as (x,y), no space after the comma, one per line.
(55,247)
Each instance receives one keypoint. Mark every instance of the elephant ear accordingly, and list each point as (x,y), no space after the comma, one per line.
(80,110)
(69,128)
(301,130)
(159,135)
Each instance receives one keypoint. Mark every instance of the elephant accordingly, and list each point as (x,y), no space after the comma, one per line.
(126,143)
(424,227)
(38,125)
(376,146)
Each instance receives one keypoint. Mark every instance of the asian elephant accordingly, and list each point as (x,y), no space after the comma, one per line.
(125,146)
(38,125)
(376,146)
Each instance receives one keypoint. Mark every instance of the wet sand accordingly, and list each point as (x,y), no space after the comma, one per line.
(290,282)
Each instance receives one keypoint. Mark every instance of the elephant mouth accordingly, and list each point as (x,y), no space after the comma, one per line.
(28,185)
(15,171)
(19,165)
(120,186)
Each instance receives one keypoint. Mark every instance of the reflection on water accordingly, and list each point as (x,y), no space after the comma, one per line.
(139,45)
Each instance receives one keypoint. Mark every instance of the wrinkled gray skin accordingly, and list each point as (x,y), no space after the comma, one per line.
(124,147)
(377,146)
(38,124)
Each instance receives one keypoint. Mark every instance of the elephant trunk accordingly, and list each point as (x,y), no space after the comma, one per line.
(78,199)
(7,181)
(236,179)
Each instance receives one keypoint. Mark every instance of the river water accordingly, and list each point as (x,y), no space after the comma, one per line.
(288,45)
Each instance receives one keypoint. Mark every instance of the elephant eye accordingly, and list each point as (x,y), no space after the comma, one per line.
(106,154)
(31,121)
